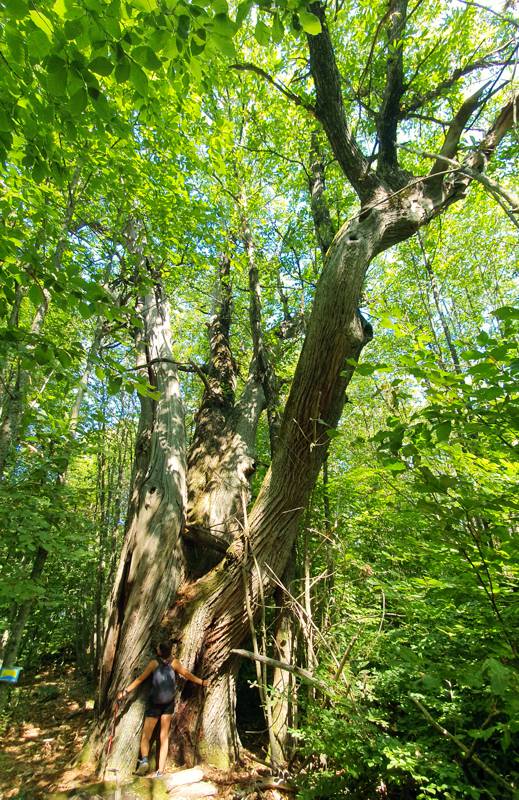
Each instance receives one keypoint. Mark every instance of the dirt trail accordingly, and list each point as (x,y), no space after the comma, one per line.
(51,718)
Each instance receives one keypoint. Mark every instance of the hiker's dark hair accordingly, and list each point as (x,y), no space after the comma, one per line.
(165,649)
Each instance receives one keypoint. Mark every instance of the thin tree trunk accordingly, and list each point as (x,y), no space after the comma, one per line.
(437,302)
(14,400)
(21,616)
(22,612)
(284,703)
(15,396)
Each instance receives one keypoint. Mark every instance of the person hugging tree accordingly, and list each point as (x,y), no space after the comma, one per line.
(160,703)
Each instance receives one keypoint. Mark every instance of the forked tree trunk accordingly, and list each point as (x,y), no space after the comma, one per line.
(210,615)
(220,464)
(151,563)
(221,457)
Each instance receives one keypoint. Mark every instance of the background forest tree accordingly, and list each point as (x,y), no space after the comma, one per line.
(208,212)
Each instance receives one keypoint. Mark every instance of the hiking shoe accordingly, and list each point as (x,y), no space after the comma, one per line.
(158,774)
(143,766)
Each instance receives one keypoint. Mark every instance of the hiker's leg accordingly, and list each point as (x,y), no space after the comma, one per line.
(165,725)
(147,730)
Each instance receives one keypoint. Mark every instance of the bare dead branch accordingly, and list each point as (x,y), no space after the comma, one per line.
(482,63)
(202,376)
(492,11)
(178,364)
(367,66)
(508,201)
(273,662)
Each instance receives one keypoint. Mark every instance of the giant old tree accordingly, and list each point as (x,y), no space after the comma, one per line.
(413,105)
(240,549)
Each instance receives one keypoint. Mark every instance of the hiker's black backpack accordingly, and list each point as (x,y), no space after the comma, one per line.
(163,683)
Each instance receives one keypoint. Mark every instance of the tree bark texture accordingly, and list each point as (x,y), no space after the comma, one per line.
(284,699)
(221,457)
(209,615)
(151,562)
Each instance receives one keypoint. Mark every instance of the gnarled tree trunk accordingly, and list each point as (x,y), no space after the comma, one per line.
(151,562)
(221,457)
(209,616)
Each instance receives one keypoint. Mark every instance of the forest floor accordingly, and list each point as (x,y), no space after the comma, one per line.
(50,720)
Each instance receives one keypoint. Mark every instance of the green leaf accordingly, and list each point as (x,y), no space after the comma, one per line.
(138,79)
(443,431)
(145,5)
(38,44)
(224,45)
(310,23)
(43,354)
(42,22)
(368,369)
(16,8)
(145,55)
(262,33)
(57,78)
(73,28)
(224,26)
(36,295)
(6,122)
(395,466)
(78,101)
(333,433)
(278,30)
(101,66)
(184,24)
(499,676)
(506,312)
(114,385)
(122,71)
(243,11)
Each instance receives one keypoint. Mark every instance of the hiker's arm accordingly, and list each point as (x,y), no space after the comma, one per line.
(177,666)
(137,682)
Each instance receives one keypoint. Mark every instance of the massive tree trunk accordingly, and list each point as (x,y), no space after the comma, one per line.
(221,456)
(220,465)
(151,562)
(210,614)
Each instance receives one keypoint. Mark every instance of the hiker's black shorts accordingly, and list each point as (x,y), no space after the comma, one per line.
(158,709)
